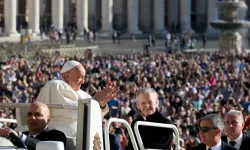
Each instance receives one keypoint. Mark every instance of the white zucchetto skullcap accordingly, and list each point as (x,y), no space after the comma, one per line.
(69,65)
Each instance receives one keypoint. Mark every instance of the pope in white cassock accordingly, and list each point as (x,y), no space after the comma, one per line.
(67,91)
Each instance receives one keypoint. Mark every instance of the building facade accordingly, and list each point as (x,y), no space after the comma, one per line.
(137,16)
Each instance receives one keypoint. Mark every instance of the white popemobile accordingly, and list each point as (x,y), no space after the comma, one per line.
(89,128)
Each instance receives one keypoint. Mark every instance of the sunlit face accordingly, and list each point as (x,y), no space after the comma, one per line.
(207,137)
(233,126)
(37,118)
(75,77)
(147,103)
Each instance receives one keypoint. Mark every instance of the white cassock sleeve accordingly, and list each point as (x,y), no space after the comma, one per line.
(84,95)
(105,111)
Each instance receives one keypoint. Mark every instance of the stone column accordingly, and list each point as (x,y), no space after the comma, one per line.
(185,15)
(10,12)
(173,11)
(82,15)
(159,16)
(133,16)
(212,14)
(34,15)
(57,14)
(107,16)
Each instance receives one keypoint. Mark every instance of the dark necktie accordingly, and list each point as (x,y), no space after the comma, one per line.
(31,141)
(209,149)
(232,143)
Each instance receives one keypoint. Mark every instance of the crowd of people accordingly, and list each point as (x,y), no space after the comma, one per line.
(189,85)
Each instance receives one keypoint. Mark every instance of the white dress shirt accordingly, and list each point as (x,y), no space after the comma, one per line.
(216,147)
(238,141)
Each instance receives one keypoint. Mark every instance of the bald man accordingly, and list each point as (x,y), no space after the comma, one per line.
(66,90)
(38,117)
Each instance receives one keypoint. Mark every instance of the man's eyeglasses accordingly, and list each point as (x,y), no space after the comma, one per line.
(205,129)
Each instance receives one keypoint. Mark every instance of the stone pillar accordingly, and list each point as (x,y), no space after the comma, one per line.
(107,16)
(212,14)
(133,16)
(82,15)
(159,16)
(201,6)
(34,15)
(173,13)
(185,15)
(145,15)
(57,14)
(10,12)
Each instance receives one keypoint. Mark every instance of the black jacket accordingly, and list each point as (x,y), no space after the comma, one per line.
(114,142)
(224,146)
(45,135)
(154,137)
(245,142)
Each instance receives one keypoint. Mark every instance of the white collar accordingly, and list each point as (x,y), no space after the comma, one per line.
(238,140)
(62,78)
(217,146)
(35,135)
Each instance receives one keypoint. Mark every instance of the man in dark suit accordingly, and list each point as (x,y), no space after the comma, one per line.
(38,117)
(152,137)
(210,130)
(234,123)
(114,142)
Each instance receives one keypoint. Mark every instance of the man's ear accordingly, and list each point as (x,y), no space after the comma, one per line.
(137,105)
(218,131)
(49,117)
(67,74)
(157,102)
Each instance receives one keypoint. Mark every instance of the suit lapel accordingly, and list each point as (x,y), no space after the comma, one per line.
(242,146)
(222,145)
(224,138)
(203,146)
(26,133)
(41,133)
